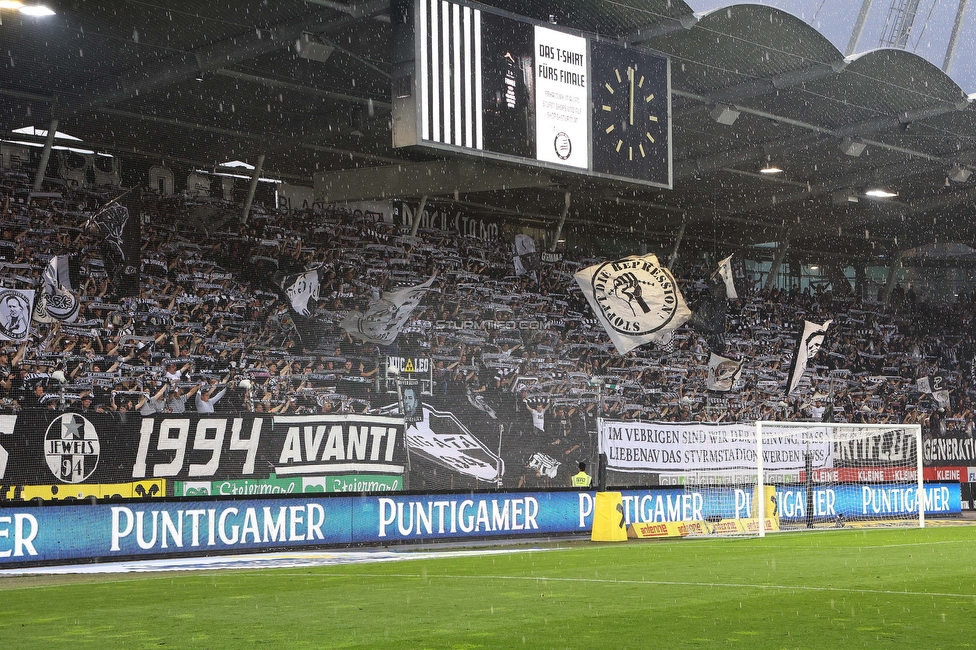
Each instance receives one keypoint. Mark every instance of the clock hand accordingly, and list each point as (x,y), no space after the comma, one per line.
(631,75)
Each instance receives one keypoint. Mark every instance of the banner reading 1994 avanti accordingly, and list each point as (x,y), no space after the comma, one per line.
(57,456)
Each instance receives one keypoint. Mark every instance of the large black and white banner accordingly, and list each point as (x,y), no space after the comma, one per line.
(78,455)
(953,449)
(666,447)
(442,438)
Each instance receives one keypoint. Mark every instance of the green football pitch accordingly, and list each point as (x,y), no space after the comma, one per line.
(839,589)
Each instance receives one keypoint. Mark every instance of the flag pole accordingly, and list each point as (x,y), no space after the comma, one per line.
(106,206)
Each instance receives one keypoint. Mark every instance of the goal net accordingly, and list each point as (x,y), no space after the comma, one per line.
(807,475)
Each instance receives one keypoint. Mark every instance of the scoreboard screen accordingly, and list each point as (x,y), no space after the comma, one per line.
(477,81)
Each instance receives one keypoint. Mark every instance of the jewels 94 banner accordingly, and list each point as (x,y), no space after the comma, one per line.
(71,455)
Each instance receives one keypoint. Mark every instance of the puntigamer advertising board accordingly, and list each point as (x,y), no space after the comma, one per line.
(64,533)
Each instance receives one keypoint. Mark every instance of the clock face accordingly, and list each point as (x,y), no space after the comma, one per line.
(631,111)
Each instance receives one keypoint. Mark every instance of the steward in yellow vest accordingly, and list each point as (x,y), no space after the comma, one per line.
(581,479)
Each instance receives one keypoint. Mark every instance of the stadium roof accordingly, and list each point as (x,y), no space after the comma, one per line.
(208,81)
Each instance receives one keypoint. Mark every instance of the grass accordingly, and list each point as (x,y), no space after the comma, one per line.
(839,589)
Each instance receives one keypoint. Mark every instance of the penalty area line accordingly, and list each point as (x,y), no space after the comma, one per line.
(666,583)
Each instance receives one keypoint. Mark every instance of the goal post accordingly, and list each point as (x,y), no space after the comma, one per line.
(753,477)
(860,474)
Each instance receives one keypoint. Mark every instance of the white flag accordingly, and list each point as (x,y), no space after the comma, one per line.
(304,288)
(922,385)
(56,300)
(725,271)
(934,385)
(15,313)
(722,372)
(806,349)
(635,299)
(385,318)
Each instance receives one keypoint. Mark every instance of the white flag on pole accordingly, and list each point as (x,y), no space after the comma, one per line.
(635,299)
(725,271)
(722,372)
(304,288)
(806,349)
(385,318)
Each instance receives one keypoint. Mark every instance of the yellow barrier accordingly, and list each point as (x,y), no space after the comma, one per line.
(608,518)
(770,505)
(155,488)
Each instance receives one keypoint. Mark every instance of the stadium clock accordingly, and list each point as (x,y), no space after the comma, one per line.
(631,111)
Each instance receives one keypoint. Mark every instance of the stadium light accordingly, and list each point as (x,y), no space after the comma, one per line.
(852,147)
(880,194)
(36,11)
(959,174)
(725,114)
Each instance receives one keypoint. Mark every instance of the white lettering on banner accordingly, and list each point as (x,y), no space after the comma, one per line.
(343,443)
(793,503)
(949,450)
(440,219)
(25,530)
(890,446)
(338,443)
(160,529)
(650,508)
(585,508)
(888,500)
(641,447)
(436,517)
(172,437)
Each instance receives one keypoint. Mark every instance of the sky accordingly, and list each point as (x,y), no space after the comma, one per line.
(929,38)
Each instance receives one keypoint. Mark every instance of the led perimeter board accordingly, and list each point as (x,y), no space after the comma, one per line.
(477,81)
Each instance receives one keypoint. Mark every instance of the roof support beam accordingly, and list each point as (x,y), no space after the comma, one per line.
(954,37)
(252,188)
(774,267)
(562,222)
(862,18)
(52,131)
(766,85)
(269,139)
(663,28)
(186,65)
(419,179)
(686,168)
(355,9)
(273,82)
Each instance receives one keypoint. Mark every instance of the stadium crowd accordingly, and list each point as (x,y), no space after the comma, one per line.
(212,329)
